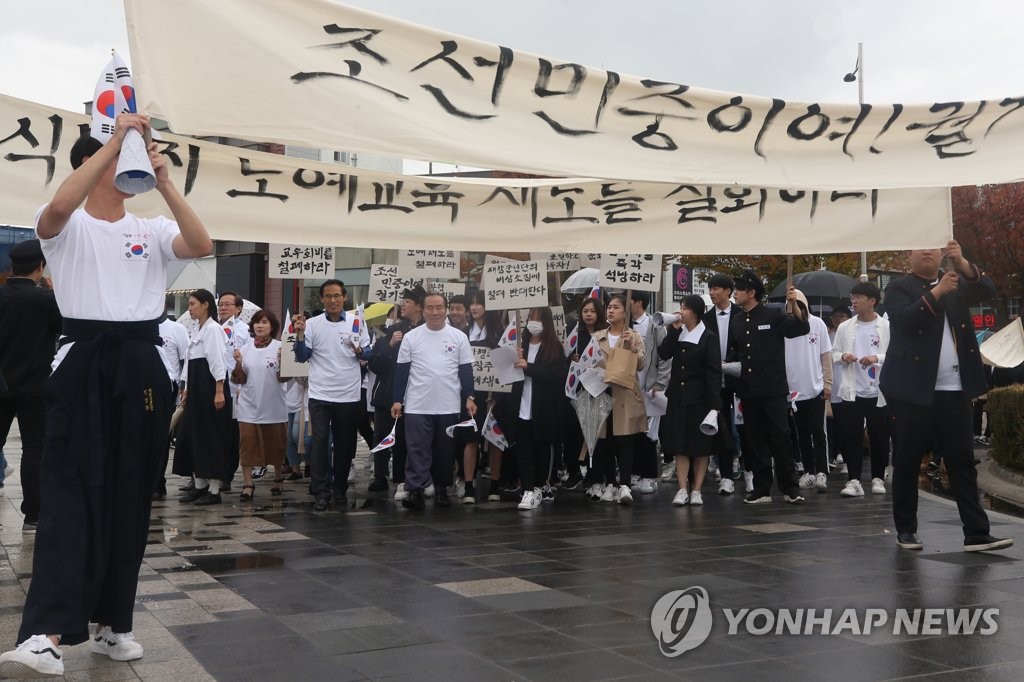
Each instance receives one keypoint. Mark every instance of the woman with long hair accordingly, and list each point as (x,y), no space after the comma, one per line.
(485,328)
(532,412)
(261,408)
(628,416)
(590,317)
(693,390)
(202,440)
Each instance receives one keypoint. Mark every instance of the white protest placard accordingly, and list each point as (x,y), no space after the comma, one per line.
(423,264)
(558,262)
(558,315)
(449,289)
(517,284)
(485,377)
(386,285)
(631,271)
(300,262)
(491,258)
(590,260)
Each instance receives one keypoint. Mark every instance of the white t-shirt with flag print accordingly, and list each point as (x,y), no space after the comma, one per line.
(261,399)
(334,372)
(803,360)
(434,358)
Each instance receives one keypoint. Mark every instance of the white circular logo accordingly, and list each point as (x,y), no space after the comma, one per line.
(681,620)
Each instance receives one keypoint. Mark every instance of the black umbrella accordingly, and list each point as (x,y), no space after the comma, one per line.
(818,284)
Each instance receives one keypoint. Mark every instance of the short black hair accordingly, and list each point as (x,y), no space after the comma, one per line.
(722,281)
(239,301)
(204,296)
(694,303)
(439,294)
(868,290)
(337,282)
(459,299)
(643,298)
(84,147)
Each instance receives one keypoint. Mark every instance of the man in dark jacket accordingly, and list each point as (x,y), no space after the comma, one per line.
(757,342)
(30,322)
(932,372)
(382,364)
(717,320)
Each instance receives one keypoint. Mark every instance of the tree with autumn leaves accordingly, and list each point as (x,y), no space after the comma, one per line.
(988,221)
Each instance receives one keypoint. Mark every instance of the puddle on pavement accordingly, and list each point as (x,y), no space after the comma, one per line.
(225,563)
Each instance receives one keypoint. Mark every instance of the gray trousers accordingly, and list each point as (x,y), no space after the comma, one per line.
(430,452)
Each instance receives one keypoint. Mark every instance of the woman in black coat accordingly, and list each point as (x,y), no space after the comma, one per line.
(694,389)
(534,407)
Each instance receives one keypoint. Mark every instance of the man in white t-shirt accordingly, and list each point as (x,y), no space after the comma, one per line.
(109,405)
(860,347)
(175,357)
(433,381)
(809,373)
(236,337)
(332,344)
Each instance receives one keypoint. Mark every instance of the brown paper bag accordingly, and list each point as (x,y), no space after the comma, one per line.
(620,368)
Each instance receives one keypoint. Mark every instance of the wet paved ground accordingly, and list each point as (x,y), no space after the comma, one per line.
(271,590)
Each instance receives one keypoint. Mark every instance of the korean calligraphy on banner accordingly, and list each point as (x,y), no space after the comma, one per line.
(485,377)
(559,262)
(289,367)
(631,271)
(246,195)
(558,315)
(449,289)
(301,262)
(385,81)
(436,264)
(518,284)
(387,286)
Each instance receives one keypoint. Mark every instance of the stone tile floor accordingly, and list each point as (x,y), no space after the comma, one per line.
(271,590)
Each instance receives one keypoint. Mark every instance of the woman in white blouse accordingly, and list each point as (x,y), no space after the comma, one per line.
(202,435)
(261,408)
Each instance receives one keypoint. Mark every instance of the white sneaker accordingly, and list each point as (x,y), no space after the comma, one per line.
(352,472)
(696,499)
(35,657)
(821,483)
(625,497)
(748,478)
(428,492)
(877,486)
(681,498)
(668,472)
(807,481)
(530,501)
(852,489)
(610,493)
(726,487)
(799,466)
(120,646)
(633,480)
(888,473)
(647,486)
(460,489)
(401,493)
(594,492)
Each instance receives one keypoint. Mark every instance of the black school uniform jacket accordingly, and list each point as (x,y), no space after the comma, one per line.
(696,377)
(915,328)
(757,339)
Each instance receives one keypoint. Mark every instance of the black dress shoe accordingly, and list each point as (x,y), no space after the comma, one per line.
(441,498)
(191,486)
(984,543)
(377,485)
(415,500)
(322,503)
(909,541)
(207,498)
(193,495)
(160,494)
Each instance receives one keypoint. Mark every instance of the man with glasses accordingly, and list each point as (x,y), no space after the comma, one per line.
(333,345)
(236,337)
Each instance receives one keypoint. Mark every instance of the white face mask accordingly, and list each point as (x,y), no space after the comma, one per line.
(535,327)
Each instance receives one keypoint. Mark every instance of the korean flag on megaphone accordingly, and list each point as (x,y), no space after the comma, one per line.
(115,94)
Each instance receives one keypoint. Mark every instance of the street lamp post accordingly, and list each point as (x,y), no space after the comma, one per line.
(858,75)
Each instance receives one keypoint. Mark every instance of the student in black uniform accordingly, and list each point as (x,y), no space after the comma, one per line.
(109,411)
(757,342)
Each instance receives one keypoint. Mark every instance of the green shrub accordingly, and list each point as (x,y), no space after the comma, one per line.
(1006,414)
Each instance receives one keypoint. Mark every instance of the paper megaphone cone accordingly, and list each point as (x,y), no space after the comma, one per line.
(664,319)
(134,171)
(709,427)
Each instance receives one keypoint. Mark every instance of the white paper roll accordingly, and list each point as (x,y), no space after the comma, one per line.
(709,427)
(664,319)
(134,171)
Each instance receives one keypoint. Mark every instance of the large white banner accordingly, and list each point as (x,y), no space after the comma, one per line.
(247,195)
(318,73)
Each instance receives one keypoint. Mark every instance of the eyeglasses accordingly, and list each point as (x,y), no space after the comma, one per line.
(332,297)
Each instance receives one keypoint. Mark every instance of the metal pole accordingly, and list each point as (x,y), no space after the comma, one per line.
(860,100)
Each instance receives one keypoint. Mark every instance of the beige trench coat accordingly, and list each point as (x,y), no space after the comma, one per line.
(628,412)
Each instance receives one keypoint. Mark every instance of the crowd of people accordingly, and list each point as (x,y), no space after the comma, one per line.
(757,388)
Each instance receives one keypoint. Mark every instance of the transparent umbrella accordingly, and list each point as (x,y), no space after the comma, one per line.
(582,281)
(592,413)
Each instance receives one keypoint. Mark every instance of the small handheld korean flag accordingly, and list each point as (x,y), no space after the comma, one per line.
(469,423)
(571,340)
(114,95)
(357,320)
(289,326)
(492,431)
(508,338)
(595,294)
(572,380)
(388,440)
(591,355)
